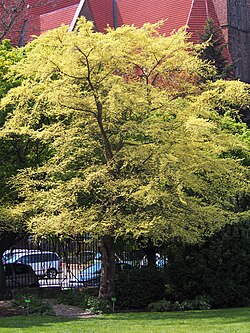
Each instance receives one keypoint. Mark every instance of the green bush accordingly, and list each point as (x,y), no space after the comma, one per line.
(219,268)
(198,303)
(160,306)
(85,300)
(35,305)
(97,305)
(136,288)
(73,297)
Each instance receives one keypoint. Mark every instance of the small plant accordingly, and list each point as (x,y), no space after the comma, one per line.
(199,303)
(97,305)
(32,304)
(73,297)
(160,306)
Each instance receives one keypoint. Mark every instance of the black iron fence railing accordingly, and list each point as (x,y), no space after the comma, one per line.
(69,263)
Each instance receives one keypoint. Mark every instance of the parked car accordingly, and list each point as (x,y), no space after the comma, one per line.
(44,263)
(160,261)
(90,276)
(84,257)
(118,259)
(20,275)
(8,254)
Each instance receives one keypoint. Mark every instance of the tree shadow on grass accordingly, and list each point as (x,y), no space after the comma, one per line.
(33,321)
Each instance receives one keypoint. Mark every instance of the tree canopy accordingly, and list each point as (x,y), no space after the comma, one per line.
(9,151)
(136,143)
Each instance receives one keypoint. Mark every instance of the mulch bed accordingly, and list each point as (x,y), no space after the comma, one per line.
(63,310)
(7,309)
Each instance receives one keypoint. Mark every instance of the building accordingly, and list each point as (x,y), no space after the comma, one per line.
(233,16)
(234,20)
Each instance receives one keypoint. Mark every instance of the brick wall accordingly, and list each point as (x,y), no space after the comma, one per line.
(221,10)
(234,18)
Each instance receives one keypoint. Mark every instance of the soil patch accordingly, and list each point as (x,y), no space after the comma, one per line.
(7,309)
(64,310)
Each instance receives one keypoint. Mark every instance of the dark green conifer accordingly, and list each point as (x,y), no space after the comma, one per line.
(215,51)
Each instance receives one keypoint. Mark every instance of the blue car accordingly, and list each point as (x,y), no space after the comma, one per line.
(90,276)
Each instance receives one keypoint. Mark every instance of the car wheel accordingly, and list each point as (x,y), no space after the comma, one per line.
(51,273)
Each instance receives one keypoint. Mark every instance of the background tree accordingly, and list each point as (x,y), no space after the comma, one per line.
(216,50)
(135,145)
(16,152)
(9,231)
(13,14)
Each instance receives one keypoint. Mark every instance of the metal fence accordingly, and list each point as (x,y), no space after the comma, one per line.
(68,263)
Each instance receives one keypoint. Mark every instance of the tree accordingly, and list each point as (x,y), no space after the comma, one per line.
(9,231)
(16,152)
(11,12)
(136,147)
(215,51)
(8,56)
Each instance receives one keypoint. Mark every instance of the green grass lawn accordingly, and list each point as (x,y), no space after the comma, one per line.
(213,321)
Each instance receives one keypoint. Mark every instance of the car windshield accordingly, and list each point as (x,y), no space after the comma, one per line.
(7,256)
(13,258)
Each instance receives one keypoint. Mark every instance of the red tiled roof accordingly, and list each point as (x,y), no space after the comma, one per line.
(31,15)
(102,11)
(52,13)
(38,7)
(197,18)
(201,10)
(56,18)
(140,11)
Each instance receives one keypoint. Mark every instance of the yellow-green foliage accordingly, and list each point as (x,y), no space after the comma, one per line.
(137,145)
(8,56)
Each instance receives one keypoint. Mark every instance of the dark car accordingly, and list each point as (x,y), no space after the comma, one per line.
(20,275)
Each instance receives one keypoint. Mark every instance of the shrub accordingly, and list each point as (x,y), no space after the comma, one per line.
(97,305)
(73,297)
(218,268)
(199,303)
(35,305)
(85,300)
(136,288)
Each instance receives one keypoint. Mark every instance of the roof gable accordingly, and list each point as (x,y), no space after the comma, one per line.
(201,10)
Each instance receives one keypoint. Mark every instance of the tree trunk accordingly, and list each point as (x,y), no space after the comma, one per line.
(2,279)
(107,281)
(150,252)
(7,239)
